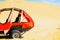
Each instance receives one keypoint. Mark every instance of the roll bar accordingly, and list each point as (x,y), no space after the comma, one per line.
(7,9)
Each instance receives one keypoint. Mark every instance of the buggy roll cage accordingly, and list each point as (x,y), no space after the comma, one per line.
(6,9)
(29,22)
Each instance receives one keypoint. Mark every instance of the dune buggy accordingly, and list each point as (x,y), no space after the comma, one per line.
(18,27)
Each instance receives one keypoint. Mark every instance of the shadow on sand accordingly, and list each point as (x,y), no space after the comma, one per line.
(4,37)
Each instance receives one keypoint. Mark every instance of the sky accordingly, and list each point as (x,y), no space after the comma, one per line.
(2,0)
(54,2)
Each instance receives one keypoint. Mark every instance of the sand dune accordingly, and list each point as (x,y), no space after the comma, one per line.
(45,16)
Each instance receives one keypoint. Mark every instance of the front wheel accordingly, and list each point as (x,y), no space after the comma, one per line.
(16,34)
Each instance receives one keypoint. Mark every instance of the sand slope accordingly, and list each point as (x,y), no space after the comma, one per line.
(45,16)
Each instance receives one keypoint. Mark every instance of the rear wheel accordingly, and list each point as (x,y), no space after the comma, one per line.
(16,34)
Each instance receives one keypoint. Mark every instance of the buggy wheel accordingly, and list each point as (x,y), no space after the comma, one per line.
(16,34)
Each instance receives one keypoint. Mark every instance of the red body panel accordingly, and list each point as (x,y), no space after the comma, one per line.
(28,24)
(5,26)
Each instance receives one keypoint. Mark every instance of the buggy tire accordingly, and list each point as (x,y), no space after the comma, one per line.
(16,34)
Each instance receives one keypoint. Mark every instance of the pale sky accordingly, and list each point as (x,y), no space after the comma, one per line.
(54,2)
(2,0)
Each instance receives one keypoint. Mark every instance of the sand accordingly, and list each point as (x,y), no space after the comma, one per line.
(46,18)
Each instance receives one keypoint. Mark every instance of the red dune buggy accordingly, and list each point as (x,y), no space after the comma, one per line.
(18,27)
